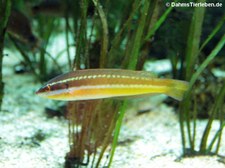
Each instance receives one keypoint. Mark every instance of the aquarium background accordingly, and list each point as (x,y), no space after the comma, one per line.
(42,39)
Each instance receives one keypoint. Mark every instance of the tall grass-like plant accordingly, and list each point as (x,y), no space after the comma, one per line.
(192,52)
(141,38)
(5,9)
(124,44)
(118,34)
(188,121)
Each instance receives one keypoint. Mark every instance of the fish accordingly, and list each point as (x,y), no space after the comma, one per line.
(91,84)
(50,8)
(58,8)
(19,27)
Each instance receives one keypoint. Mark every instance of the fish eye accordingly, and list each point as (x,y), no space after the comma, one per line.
(47,88)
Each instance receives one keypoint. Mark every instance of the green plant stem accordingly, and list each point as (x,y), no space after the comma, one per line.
(205,63)
(219,133)
(157,25)
(54,60)
(193,40)
(138,36)
(218,105)
(81,32)
(118,38)
(117,130)
(131,65)
(194,122)
(105,40)
(213,33)
(67,40)
(186,102)
(45,33)
(5,9)
(222,123)
(181,121)
(107,139)
(192,52)
(217,137)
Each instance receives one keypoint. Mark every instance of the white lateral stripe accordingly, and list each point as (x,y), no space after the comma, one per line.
(98,76)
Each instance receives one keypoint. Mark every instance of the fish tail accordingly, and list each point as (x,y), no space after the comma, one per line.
(177,89)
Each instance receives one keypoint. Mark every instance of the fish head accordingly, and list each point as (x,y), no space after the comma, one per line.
(58,91)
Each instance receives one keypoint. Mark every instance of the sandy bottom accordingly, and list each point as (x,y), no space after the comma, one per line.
(29,139)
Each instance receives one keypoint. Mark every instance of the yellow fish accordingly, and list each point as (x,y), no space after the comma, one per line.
(108,83)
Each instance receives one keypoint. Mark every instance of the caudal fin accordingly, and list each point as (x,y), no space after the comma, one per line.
(177,89)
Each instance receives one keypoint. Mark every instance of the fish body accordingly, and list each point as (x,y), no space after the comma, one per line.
(107,83)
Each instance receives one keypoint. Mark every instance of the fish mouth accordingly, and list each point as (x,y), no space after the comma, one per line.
(43,90)
(38,91)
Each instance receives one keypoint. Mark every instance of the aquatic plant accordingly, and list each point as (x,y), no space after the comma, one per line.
(188,113)
(113,54)
(86,117)
(91,125)
(133,46)
(5,9)
(185,115)
(120,34)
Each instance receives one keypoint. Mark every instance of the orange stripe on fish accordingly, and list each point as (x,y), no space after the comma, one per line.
(107,83)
